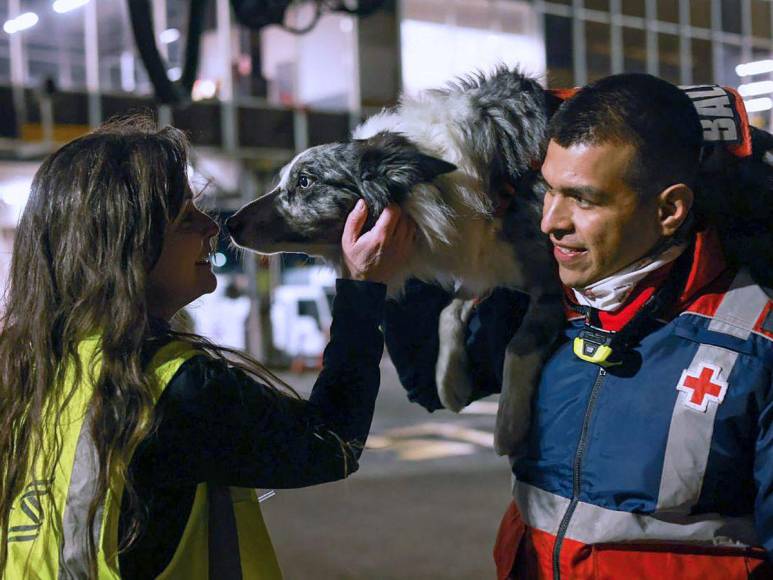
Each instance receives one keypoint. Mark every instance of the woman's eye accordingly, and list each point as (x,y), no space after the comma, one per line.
(304,182)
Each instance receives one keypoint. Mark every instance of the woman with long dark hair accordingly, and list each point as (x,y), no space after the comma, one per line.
(129,450)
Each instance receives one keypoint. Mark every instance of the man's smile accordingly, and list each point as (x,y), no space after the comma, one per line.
(565,253)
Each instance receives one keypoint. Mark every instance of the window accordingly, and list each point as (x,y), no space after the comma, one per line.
(634,8)
(668,10)
(55,48)
(700,13)
(120,66)
(309,308)
(702,62)
(731,58)
(634,50)
(597,5)
(558,39)
(668,58)
(472,35)
(761,18)
(597,50)
(731,15)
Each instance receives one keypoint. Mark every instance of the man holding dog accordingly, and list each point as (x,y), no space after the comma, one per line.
(650,447)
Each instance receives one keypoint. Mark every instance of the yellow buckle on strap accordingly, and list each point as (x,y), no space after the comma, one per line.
(595,346)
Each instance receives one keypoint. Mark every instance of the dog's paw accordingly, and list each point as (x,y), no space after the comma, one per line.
(451,369)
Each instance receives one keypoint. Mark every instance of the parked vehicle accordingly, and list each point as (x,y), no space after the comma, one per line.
(300,319)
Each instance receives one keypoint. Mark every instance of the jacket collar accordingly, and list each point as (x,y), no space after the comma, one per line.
(707,265)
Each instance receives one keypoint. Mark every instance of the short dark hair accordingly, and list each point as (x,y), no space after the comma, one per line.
(651,114)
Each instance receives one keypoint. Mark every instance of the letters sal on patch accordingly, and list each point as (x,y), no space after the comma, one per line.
(701,385)
(717,112)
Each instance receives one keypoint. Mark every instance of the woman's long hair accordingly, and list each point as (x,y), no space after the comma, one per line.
(91,230)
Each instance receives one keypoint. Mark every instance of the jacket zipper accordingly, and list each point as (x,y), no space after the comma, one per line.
(576,468)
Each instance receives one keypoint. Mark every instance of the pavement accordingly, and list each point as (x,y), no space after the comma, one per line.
(425,503)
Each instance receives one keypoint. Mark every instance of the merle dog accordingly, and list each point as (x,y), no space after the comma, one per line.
(460,162)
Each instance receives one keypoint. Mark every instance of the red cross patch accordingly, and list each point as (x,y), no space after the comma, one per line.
(702,387)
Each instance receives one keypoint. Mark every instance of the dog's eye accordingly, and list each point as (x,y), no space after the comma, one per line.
(304,181)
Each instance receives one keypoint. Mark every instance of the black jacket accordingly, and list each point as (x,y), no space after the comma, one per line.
(220,426)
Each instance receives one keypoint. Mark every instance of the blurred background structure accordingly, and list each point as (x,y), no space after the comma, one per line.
(261,92)
(428,498)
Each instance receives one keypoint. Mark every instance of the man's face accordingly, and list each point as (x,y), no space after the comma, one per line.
(597,223)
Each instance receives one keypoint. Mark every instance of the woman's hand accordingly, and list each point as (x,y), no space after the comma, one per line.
(377,254)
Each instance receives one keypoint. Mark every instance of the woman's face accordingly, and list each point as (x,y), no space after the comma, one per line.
(182,272)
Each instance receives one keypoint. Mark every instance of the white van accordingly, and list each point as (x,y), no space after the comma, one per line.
(300,319)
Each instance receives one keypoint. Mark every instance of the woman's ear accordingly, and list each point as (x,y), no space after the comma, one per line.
(674,204)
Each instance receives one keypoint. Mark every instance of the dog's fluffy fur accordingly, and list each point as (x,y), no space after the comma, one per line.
(446,157)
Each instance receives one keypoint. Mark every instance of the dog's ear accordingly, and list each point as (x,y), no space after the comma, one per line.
(431,167)
(390,165)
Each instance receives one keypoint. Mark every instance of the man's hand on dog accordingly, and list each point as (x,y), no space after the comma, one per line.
(377,254)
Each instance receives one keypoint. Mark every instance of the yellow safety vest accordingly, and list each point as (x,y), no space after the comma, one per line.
(47,540)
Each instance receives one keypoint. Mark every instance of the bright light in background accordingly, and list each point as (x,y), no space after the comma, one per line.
(754,68)
(434,54)
(346,25)
(128,83)
(219,259)
(169,35)
(21,22)
(754,89)
(175,73)
(15,192)
(203,89)
(15,183)
(758,105)
(62,6)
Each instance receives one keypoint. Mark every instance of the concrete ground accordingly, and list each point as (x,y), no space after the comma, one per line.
(425,504)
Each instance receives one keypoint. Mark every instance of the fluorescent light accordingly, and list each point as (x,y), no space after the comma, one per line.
(169,35)
(754,68)
(21,22)
(203,89)
(758,105)
(754,89)
(62,6)
(15,192)
(128,83)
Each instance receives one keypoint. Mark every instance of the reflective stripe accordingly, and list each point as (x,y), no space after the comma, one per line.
(592,524)
(740,308)
(73,556)
(689,438)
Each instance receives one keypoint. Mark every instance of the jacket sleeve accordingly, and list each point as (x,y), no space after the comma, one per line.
(219,425)
(763,475)
(492,325)
(411,334)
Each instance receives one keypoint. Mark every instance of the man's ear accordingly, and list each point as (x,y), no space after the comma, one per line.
(674,204)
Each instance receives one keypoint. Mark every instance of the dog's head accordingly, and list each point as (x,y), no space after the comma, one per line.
(306,212)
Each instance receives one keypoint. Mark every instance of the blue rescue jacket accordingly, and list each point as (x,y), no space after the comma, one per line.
(666,459)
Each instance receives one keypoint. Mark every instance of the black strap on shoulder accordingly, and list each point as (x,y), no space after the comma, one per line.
(224,559)
(655,305)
